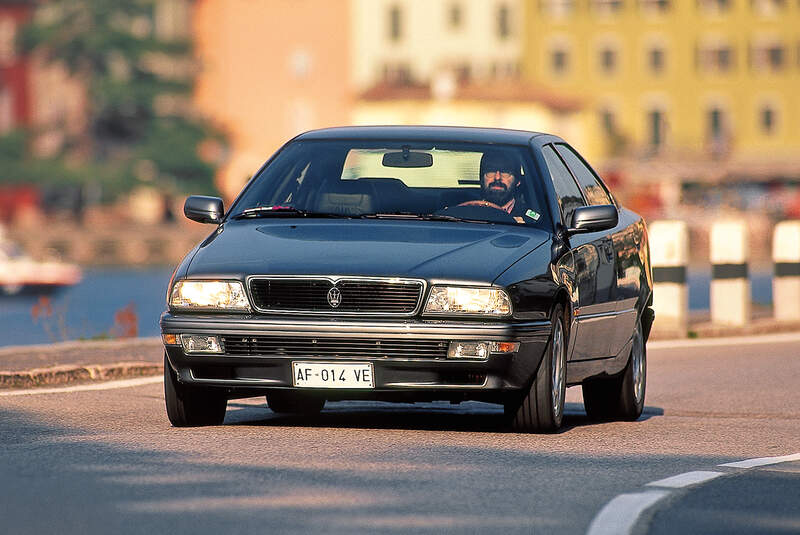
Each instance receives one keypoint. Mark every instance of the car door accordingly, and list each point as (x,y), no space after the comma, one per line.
(588,332)
(602,314)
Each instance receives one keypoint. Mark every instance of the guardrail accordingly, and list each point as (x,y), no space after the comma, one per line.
(730,292)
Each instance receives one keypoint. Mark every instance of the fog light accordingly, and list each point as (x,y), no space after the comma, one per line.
(200,343)
(504,347)
(468,350)
(170,339)
(479,350)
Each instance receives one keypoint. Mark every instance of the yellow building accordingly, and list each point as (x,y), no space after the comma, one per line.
(682,79)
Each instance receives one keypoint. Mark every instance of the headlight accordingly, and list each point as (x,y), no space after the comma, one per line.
(463,300)
(209,295)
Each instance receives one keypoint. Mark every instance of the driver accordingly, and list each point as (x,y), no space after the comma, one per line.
(499,183)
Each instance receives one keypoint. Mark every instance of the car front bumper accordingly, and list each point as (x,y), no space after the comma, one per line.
(404,378)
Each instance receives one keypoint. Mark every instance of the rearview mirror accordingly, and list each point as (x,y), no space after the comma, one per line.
(204,209)
(407,159)
(593,219)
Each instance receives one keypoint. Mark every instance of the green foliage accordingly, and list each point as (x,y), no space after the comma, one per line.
(17,168)
(129,73)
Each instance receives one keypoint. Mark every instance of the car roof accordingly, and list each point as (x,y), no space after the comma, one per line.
(424,133)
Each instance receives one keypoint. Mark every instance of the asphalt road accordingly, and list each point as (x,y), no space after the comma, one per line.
(107,461)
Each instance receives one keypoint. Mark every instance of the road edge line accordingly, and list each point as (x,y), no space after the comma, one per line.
(686,479)
(620,515)
(763,461)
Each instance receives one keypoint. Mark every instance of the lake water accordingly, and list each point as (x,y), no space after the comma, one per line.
(88,309)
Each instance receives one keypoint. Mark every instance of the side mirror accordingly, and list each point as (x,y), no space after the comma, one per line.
(204,209)
(593,219)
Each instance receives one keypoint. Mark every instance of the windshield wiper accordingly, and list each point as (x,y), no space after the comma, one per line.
(419,217)
(281,211)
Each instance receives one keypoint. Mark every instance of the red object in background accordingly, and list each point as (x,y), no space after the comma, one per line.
(14,199)
(126,322)
(793,207)
(612,179)
(14,75)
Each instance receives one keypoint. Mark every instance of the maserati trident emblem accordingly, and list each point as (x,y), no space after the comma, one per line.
(334,297)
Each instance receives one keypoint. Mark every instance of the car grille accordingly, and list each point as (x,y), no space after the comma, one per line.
(356,296)
(271,346)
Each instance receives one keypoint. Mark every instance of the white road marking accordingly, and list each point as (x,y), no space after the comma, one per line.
(620,514)
(108,385)
(686,479)
(730,341)
(763,461)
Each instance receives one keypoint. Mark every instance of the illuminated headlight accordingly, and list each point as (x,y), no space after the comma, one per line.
(209,295)
(200,343)
(463,300)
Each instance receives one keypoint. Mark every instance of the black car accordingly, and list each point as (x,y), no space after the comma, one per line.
(413,264)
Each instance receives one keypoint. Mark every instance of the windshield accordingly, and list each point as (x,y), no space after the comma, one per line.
(448,182)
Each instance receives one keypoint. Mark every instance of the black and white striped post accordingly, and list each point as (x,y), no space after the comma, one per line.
(786,277)
(669,256)
(730,286)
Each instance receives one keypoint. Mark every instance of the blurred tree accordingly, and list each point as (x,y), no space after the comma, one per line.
(140,123)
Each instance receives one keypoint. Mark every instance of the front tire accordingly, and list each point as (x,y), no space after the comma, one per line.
(191,406)
(542,409)
(620,397)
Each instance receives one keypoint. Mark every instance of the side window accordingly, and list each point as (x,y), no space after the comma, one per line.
(569,195)
(595,193)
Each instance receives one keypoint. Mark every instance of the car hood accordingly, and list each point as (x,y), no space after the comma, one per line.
(419,249)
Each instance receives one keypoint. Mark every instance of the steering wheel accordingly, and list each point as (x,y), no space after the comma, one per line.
(483,204)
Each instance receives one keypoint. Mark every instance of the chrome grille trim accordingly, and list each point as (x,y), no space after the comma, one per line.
(332,347)
(396,289)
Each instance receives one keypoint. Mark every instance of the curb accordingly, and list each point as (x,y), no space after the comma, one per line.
(60,375)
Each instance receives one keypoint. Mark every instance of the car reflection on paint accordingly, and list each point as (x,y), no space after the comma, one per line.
(413,264)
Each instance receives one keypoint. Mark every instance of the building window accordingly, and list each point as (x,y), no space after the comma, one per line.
(455,16)
(767,119)
(608,60)
(397,74)
(716,7)
(504,70)
(768,57)
(559,60)
(503,22)
(654,6)
(767,8)
(607,7)
(655,128)
(395,23)
(557,8)
(715,58)
(656,60)
(608,122)
(716,129)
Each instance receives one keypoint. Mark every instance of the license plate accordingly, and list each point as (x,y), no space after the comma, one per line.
(332,375)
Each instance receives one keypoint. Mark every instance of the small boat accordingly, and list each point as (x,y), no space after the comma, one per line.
(20,273)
